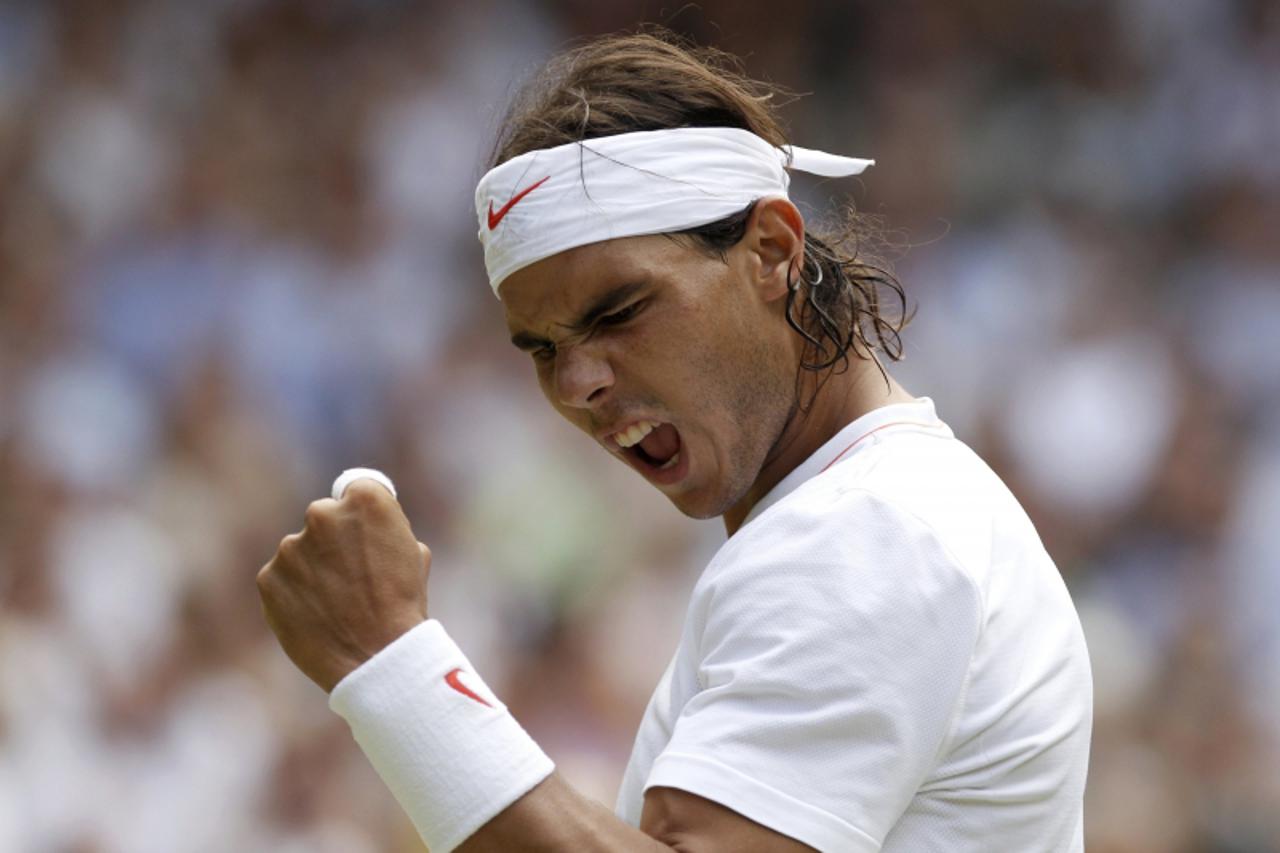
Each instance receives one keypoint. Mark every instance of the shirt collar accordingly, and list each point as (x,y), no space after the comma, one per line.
(919,413)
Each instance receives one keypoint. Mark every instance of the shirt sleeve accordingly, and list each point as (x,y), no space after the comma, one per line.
(834,650)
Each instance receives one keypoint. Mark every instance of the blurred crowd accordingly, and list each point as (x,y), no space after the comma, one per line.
(237,254)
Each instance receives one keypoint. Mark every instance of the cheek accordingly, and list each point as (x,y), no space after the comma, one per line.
(746,385)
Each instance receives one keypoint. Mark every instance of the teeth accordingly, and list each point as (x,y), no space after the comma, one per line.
(633,434)
(670,462)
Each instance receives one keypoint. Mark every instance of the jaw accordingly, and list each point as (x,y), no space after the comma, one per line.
(748,470)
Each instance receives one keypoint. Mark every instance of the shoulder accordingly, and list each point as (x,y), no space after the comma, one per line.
(837,552)
(909,487)
(905,487)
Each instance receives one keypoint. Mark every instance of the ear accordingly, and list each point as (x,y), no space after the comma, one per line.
(774,240)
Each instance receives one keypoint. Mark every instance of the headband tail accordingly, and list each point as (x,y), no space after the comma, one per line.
(824,164)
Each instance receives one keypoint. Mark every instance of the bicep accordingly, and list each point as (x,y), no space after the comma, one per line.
(693,824)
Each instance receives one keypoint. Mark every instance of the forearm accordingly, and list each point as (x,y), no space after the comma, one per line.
(346,598)
(555,817)
(470,778)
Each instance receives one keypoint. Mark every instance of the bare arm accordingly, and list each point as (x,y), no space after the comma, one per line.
(553,817)
(355,579)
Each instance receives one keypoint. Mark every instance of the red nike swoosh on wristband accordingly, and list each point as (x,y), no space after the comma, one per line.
(495,218)
(452,680)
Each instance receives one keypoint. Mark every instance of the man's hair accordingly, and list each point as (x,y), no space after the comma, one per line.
(653,81)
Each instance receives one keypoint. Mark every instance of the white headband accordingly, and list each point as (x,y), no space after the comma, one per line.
(649,182)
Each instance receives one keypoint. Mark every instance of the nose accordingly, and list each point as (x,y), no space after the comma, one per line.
(583,376)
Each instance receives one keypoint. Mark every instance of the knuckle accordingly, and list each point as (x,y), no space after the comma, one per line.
(317,513)
(288,547)
(364,493)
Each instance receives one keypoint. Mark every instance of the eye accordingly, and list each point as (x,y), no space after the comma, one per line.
(544,353)
(617,318)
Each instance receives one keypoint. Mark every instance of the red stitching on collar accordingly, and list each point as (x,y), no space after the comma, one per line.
(935,425)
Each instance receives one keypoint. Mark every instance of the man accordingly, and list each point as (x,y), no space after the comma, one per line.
(880,657)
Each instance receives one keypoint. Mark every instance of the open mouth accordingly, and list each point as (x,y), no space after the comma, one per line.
(654,449)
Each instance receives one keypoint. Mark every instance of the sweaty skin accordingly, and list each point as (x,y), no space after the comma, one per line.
(640,328)
(695,341)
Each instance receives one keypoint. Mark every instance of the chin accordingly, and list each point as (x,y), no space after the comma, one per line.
(697,512)
(697,504)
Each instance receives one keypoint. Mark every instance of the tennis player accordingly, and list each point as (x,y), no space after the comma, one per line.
(880,657)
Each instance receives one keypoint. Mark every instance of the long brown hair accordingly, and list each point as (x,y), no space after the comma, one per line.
(652,81)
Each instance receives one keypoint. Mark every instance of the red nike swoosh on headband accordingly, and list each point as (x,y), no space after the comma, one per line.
(495,218)
(452,680)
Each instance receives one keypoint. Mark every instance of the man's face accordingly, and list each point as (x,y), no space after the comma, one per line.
(675,361)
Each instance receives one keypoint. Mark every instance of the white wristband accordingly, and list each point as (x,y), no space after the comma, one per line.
(450,752)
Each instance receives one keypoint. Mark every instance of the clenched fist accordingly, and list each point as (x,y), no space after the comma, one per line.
(352,581)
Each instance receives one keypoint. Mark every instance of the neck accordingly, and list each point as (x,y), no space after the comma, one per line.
(842,399)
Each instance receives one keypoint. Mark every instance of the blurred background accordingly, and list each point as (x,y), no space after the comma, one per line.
(237,254)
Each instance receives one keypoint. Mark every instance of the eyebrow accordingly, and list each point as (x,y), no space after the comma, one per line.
(609,301)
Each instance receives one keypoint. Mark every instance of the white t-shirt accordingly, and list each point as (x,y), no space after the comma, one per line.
(883,657)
